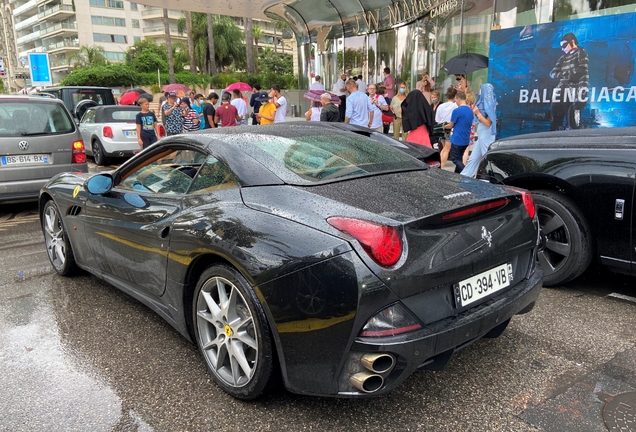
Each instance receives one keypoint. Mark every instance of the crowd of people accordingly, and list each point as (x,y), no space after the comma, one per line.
(464,120)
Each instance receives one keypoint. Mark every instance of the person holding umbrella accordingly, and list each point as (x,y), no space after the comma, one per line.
(330,112)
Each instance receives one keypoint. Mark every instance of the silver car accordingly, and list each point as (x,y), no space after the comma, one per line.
(38,139)
(110,131)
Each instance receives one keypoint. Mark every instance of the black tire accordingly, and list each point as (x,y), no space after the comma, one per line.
(98,153)
(58,246)
(229,338)
(565,249)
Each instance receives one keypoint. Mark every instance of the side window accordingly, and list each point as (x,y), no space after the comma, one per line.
(169,172)
(89,117)
(213,175)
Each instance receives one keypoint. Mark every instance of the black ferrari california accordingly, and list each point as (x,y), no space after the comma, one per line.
(302,253)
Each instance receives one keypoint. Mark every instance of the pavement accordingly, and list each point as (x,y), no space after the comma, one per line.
(78,355)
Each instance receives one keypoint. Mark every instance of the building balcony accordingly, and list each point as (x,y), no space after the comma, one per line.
(159,30)
(157,13)
(28,38)
(60,65)
(70,45)
(59,29)
(61,11)
(29,22)
(32,4)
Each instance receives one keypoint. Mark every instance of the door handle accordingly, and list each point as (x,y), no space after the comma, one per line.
(619,209)
(164,232)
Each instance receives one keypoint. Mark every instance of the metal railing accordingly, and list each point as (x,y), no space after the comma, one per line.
(55,9)
(155,29)
(25,7)
(26,23)
(28,38)
(62,44)
(159,12)
(58,26)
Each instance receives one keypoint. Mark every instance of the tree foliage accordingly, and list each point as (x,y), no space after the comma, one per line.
(88,56)
(228,37)
(109,75)
(268,61)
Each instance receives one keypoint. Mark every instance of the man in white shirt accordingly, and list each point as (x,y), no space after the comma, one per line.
(362,86)
(241,106)
(443,115)
(280,102)
(340,89)
(317,85)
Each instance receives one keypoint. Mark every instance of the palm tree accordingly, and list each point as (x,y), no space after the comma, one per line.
(249,45)
(228,48)
(257,33)
(275,47)
(88,55)
(166,29)
(211,62)
(193,63)
(280,25)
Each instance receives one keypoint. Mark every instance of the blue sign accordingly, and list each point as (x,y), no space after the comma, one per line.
(565,75)
(40,69)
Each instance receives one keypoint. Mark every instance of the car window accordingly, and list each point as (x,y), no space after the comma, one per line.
(89,117)
(124,116)
(314,157)
(23,118)
(96,95)
(213,175)
(169,172)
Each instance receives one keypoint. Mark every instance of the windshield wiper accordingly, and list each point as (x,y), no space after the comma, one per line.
(34,133)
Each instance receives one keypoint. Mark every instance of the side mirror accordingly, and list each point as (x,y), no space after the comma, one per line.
(99,184)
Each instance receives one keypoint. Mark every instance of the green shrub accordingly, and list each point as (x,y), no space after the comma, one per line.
(155,88)
(110,75)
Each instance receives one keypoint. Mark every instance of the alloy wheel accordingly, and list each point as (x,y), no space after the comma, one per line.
(555,244)
(54,237)
(226,329)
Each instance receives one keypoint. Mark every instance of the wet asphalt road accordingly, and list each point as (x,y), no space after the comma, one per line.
(78,355)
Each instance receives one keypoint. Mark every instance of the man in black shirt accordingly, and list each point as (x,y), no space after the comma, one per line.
(255,103)
(209,111)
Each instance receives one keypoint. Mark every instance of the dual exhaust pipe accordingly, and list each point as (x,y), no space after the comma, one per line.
(372,380)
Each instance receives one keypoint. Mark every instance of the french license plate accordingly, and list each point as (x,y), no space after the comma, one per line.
(131,134)
(482,285)
(24,159)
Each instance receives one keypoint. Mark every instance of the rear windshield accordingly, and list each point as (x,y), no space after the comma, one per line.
(101,96)
(23,118)
(313,158)
(124,116)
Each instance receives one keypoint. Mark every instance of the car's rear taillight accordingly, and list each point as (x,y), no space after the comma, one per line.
(79,153)
(469,211)
(381,242)
(528,201)
(107,132)
(162,131)
(433,163)
(391,321)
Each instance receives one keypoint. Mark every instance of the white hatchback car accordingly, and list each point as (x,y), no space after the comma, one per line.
(110,131)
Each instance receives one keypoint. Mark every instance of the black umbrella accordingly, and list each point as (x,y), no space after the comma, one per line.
(466,63)
(146,96)
(136,90)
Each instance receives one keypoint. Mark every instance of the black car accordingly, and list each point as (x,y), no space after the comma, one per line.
(583,183)
(301,251)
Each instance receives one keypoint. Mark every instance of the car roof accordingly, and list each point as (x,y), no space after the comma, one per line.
(115,108)
(75,87)
(38,99)
(597,137)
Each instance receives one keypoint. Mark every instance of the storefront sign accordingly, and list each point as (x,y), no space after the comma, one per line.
(565,75)
(400,12)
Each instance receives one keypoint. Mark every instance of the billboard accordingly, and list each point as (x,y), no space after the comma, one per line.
(40,69)
(565,75)
(1,66)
